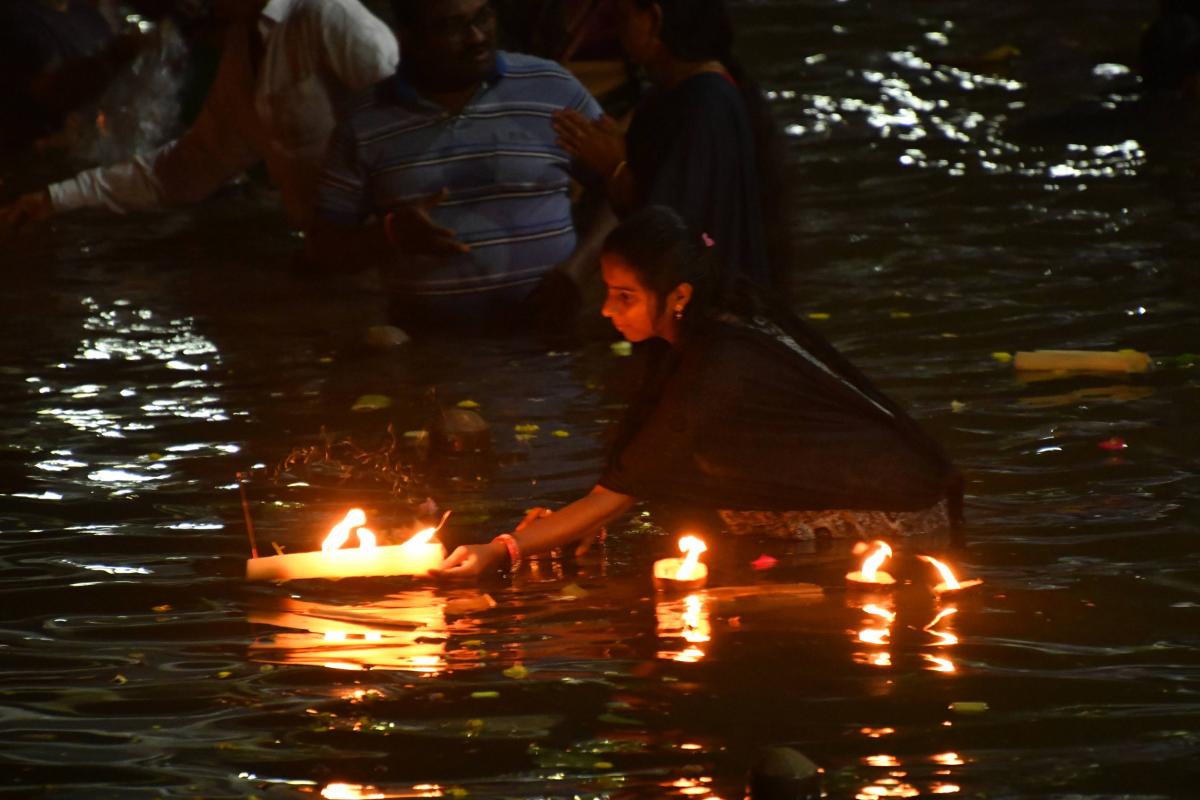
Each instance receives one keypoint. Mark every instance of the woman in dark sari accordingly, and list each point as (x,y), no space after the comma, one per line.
(701,142)
(744,410)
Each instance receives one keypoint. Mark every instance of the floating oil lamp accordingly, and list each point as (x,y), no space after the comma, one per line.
(417,556)
(949,582)
(682,574)
(871,576)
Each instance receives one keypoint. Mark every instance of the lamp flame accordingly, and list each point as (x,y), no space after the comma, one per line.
(873,562)
(340,533)
(949,582)
(420,537)
(692,546)
(871,574)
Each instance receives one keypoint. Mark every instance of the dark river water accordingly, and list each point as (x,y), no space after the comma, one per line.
(970,179)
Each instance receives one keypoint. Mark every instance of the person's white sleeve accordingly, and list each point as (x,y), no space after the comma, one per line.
(360,48)
(210,154)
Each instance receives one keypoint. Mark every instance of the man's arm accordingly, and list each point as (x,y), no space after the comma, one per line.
(344,246)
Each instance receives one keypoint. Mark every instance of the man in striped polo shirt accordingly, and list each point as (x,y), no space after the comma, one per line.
(449,175)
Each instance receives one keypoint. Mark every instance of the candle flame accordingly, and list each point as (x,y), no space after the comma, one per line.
(340,533)
(693,546)
(421,537)
(366,538)
(873,562)
(951,583)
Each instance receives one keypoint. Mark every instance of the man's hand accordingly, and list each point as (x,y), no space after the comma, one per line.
(472,560)
(26,210)
(410,229)
(597,143)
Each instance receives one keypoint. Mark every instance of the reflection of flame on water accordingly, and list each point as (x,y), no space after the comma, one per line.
(354,791)
(407,631)
(686,619)
(949,582)
(878,634)
(870,573)
(691,787)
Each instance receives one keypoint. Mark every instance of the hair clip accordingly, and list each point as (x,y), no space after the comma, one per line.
(708,241)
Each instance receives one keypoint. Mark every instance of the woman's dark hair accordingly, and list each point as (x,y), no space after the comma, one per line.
(702,30)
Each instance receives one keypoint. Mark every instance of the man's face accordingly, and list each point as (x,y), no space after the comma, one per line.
(453,44)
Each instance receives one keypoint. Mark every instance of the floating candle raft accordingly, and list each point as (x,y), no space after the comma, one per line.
(682,574)
(417,556)
(871,576)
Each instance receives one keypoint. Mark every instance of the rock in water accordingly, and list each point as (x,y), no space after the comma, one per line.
(781,773)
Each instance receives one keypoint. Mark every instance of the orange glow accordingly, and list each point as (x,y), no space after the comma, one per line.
(945,638)
(882,761)
(948,759)
(887,789)
(949,582)
(871,572)
(686,620)
(875,733)
(944,788)
(692,547)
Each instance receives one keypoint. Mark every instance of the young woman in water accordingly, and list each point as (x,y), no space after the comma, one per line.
(744,410)
(702,141)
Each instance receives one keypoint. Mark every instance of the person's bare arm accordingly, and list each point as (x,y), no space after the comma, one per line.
(405,230)
(542,534)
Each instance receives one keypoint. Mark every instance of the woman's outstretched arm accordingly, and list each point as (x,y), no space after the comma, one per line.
(540,535)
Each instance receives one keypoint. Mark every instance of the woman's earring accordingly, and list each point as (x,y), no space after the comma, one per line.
(678,312)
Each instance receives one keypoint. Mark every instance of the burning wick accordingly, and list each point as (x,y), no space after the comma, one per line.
(949,582)
(692,547)
(871,574)
(682,573)
(339,534)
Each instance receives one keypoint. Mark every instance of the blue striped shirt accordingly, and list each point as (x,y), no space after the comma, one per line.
(508,181)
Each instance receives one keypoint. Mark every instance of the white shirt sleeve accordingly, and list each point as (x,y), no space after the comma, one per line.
(186,170)
(361,49)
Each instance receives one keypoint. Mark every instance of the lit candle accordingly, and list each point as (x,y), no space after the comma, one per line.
(871,575)
(682,574)
(949,582)
(417,556)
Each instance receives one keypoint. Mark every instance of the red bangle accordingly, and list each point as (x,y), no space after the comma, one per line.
(514,549)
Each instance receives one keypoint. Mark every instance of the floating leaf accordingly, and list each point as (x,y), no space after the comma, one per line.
(526,427)
(223,674)
(621,348)
(900,315)
(1002,53)
(818,315)
(484,695)
(968,707)
(516,672)
(467,404)
(957,407)
(573,591)
(561,434)
(1002,357)
(616,719)
(372,402)
(120,679)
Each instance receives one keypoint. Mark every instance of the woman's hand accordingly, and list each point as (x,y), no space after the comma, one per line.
(472,560)
(599,144)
